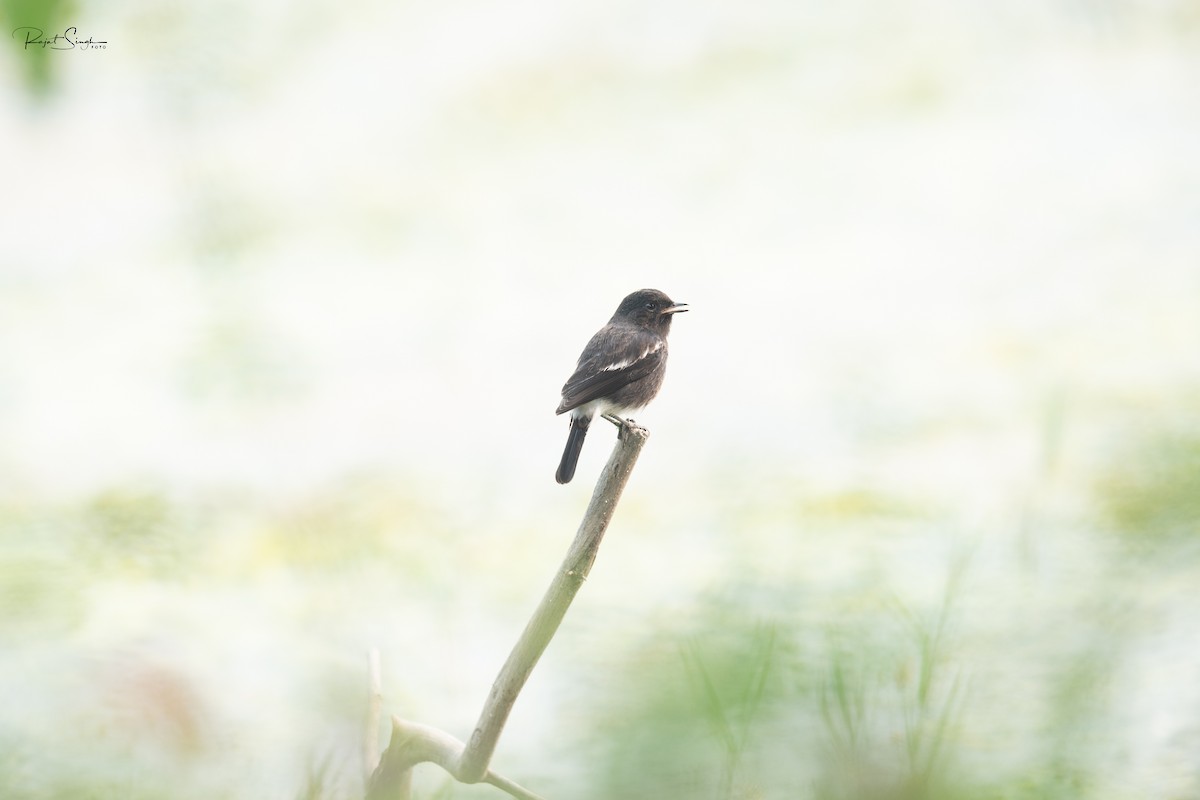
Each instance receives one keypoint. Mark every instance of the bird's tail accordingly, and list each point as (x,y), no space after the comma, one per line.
(570,456)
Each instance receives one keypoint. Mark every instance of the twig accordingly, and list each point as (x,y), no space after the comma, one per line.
(413,743)
(417,743)
(549,613)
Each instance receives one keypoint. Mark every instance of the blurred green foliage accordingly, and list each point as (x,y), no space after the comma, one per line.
(759,689)
(40,583)
(763,687)
(684,717)
(738,706)
(36,64)
(1150,494)
(131,532)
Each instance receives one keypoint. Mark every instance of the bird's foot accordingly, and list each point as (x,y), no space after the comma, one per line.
(625,426)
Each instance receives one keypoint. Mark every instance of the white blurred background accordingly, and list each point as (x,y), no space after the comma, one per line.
(287,293)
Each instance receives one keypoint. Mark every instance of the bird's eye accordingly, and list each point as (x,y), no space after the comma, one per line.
(651,306)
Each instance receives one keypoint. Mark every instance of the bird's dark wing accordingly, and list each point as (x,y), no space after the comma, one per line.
(615,357)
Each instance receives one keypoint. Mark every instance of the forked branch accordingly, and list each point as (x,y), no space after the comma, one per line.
(412,743)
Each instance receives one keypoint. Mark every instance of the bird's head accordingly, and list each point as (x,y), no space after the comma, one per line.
(648,308)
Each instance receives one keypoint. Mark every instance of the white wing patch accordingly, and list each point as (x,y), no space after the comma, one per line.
(654,348)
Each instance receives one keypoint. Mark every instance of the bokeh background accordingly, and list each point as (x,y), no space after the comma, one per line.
(288,290)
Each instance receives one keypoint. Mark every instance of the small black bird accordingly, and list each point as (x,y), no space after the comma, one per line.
(619,371)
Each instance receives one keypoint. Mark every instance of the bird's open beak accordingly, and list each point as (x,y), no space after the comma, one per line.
(675,309)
